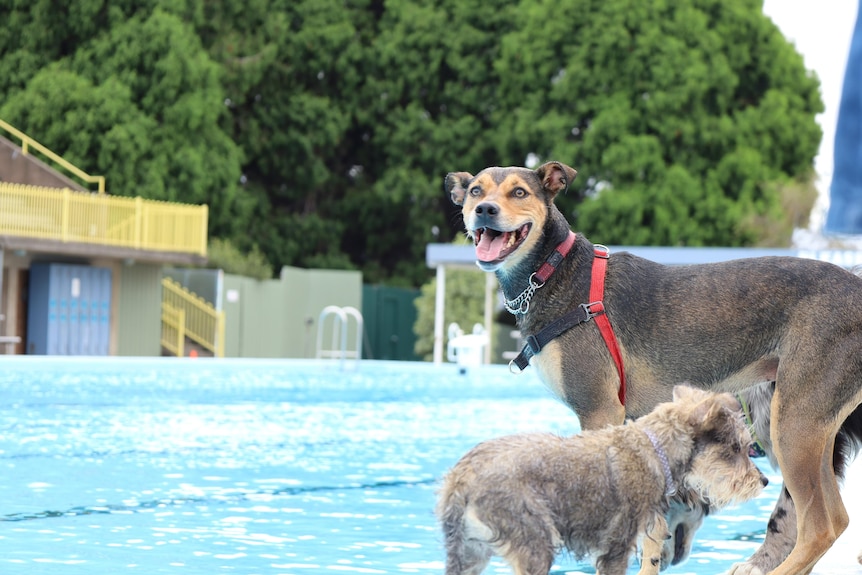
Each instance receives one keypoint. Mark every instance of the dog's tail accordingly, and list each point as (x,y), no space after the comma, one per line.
(848,442)
(451,504)
(462,556)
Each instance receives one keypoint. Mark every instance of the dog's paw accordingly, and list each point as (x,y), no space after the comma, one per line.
(744,569)
(651,566)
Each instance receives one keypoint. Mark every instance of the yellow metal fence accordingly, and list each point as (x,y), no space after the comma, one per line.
(173,329)
(202,323)
(68,216)
(27,142)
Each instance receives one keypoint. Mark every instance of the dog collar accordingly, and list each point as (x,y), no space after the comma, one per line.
(521,304)
(756,449)
(670,484)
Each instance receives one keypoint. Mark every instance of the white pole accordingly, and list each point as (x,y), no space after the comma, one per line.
(490,289)
(439,308)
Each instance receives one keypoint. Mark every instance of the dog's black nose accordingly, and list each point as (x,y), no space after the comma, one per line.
(764,480)
(487,209)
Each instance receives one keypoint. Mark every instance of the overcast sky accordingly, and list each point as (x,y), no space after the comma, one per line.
(821,31)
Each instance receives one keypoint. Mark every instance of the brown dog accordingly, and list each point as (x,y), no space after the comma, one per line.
(724,326)
(527,496)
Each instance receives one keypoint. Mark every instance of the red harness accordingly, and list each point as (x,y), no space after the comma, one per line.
(597,292)
(582,314)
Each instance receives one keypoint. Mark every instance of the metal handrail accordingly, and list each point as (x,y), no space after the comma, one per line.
(27,142)
(69,216)
(203,323)
(341,319)
(173,329)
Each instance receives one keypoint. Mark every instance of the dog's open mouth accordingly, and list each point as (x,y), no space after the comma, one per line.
(494,245)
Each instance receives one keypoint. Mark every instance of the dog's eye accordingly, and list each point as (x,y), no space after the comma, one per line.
(475,191)
(519,192)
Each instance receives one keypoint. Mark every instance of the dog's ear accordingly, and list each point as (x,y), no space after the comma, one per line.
(729,401)
(703,406)
(716,419)
(727,426)
(456,184)
(705,415)
(680,392)
(685,392)
(555,177)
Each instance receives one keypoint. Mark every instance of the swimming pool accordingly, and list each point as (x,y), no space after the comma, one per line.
(165,465)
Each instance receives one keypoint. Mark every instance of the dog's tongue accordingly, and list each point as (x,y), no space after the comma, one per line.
(489,248)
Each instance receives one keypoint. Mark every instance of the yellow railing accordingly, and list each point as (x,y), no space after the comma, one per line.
(27,142)
(173,329)
(203,323)
(68,216)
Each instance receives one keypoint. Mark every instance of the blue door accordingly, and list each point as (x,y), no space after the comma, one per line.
(69,310)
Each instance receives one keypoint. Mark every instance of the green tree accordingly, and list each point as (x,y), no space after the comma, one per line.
(222,254)
(682,116)
(347,113)
(426,108)
(292,72)
(320,130)
(140,102)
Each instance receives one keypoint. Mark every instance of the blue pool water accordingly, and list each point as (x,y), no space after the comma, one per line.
(262,467)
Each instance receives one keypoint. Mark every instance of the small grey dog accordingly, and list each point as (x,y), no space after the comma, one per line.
(526,497)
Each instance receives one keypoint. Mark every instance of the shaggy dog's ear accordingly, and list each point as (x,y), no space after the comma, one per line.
(710,416)
(680,392)
(706,409)
(456,184)
(685,392)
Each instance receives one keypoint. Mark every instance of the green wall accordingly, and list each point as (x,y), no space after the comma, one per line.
(139,310)
(389,313)
(278,318)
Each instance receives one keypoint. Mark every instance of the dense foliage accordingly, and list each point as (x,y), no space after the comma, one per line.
(320,130)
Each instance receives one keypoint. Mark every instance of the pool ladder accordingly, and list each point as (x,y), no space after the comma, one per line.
(340,327)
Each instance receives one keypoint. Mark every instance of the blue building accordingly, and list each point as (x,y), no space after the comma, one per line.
(845,194)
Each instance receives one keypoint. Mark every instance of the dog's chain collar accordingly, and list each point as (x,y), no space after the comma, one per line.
(670,485)
(521,304)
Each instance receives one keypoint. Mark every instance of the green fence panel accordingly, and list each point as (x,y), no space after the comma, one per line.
(389,314)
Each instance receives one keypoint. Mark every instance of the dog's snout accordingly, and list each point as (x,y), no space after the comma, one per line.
(487,209)
(764,480)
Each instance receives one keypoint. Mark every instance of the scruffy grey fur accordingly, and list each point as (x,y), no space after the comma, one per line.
(526,497)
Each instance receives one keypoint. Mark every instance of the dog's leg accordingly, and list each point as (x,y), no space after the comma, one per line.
(616,563)
(805,456)
(467,558)
(531,549)
(779,541)
(467,551)
(781,529)
(683,521)
(653,544)
(534,562)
